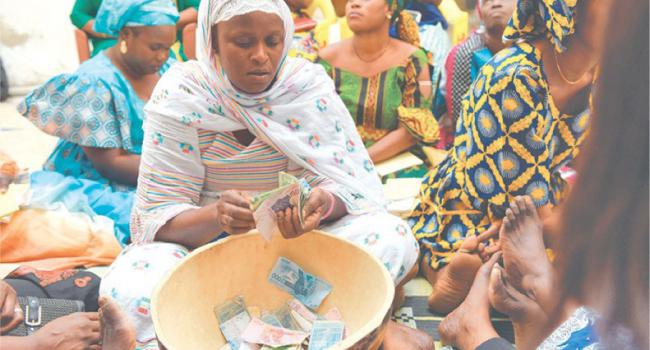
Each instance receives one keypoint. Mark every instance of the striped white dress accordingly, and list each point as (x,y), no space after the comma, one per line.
(184,167)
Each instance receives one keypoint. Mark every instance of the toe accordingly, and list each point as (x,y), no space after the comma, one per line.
(521,204)
(514,207)
(530,207)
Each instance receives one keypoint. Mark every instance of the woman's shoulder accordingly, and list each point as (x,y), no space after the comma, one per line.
(517,62)
(331,54)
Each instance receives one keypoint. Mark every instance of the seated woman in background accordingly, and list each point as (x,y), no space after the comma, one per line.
(84,13)
(97,112)
(465,61)
(218,130)
(524,117)
(602,251)
(385,83)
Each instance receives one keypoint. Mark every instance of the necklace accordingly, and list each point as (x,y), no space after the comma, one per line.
(383,51)
(559,70)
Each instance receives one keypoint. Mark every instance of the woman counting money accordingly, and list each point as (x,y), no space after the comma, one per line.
(220,129)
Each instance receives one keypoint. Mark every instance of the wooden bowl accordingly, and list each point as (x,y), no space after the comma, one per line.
(183,302)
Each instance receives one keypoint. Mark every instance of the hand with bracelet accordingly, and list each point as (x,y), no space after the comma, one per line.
(320,206)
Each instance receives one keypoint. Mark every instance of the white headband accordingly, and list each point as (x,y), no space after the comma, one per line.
(233,8)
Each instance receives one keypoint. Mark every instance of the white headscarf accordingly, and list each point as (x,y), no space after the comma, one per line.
(300,115)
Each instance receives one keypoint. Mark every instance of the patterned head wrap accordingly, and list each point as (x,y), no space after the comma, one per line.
(534,18)
(113,15)
(406,28)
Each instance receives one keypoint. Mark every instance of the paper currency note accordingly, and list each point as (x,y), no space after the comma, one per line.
(325,334)
(304,324)
(261,333)
(307,288)
(288,347)
(292,192)
(283,315)
(273,320)
(233,320)
(335,315)
(302,310)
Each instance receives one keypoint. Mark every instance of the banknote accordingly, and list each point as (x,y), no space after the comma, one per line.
(302,310)
(233,320)
(304,324)
(262,333)
(274,320)
(307,288)
(335,315)
(288,347)
(283,314)
(325,334)
(291,193)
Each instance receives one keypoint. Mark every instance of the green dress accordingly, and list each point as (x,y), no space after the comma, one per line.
(86,10)
(381,103)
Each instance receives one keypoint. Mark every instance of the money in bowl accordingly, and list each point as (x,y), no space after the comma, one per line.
(186,303)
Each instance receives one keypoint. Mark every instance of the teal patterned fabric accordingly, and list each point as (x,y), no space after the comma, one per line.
(113,15)
(93,107)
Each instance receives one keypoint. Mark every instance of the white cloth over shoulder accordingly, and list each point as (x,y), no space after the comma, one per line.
(300,115)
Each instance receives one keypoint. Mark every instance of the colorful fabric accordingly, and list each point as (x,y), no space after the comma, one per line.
(56,239)
(375,102)
(225,164)
(458,74)
(84,11)
(576,333)
(435,40)
(535,18)
(511,140)
(113,15)
(190,156)
(299,115)
(479,59)
(94,107)
(100,203)
(431,15)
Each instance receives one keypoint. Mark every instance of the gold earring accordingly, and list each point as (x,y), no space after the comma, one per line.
(389,16)
(123,48)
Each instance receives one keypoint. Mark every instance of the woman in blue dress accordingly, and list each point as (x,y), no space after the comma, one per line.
(97,112)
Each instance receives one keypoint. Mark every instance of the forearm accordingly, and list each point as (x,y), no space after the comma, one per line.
(191,228)
(187,16)
(115,164)
(88,28)
(394,143)
(123,169)
(19,343)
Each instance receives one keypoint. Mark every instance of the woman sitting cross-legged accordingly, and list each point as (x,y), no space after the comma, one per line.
(524,118)
(221,128)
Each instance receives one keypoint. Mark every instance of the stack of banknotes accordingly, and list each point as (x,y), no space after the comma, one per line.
(294,326)
(291,193)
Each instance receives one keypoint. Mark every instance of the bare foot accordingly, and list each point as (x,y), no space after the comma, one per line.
(118,332)
(401,337)
(524,253)
(469,325)
(452,282)
(528,318)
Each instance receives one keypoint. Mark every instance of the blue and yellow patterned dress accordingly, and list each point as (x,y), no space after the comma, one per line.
(510,140)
